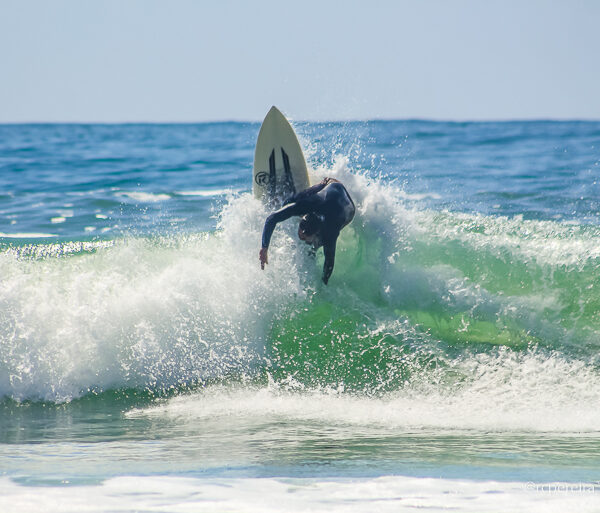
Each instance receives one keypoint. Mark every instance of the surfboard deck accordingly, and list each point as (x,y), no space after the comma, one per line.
(279,165)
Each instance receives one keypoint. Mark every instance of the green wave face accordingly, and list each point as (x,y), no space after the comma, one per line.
(418,310)
(419,301)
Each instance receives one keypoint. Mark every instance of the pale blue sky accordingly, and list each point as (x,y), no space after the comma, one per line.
(145,60)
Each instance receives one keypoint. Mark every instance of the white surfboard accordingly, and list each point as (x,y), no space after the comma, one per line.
(279,165)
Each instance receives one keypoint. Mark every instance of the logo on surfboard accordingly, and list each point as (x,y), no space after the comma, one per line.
(263,179)
(269,179)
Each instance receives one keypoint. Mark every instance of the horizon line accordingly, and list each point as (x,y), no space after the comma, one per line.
(341,120)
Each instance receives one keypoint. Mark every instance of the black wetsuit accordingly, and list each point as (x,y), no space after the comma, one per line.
(330,201)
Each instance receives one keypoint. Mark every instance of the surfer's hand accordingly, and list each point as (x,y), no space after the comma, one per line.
(264,258)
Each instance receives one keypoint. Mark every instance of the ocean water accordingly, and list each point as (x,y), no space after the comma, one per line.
(148,364)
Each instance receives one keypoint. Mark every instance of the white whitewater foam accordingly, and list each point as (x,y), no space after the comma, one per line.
(142,313)
(25,235)
(419,196)
(548,243)
(207,193)
(391,494)
(144,197)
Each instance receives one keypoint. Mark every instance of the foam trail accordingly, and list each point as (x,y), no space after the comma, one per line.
(506,392)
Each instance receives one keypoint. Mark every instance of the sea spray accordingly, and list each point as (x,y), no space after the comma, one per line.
(143,313)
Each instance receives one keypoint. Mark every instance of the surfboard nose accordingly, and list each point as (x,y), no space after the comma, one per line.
(273,113)
(274,110)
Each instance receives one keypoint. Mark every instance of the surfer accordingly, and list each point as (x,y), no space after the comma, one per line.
(325,209)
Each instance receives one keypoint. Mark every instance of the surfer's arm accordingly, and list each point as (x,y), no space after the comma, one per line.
(293,209)
(329,251)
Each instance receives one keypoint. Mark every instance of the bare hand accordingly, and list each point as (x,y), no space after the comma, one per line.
(264,258)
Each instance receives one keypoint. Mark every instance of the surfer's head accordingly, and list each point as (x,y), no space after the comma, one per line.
(309,229)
